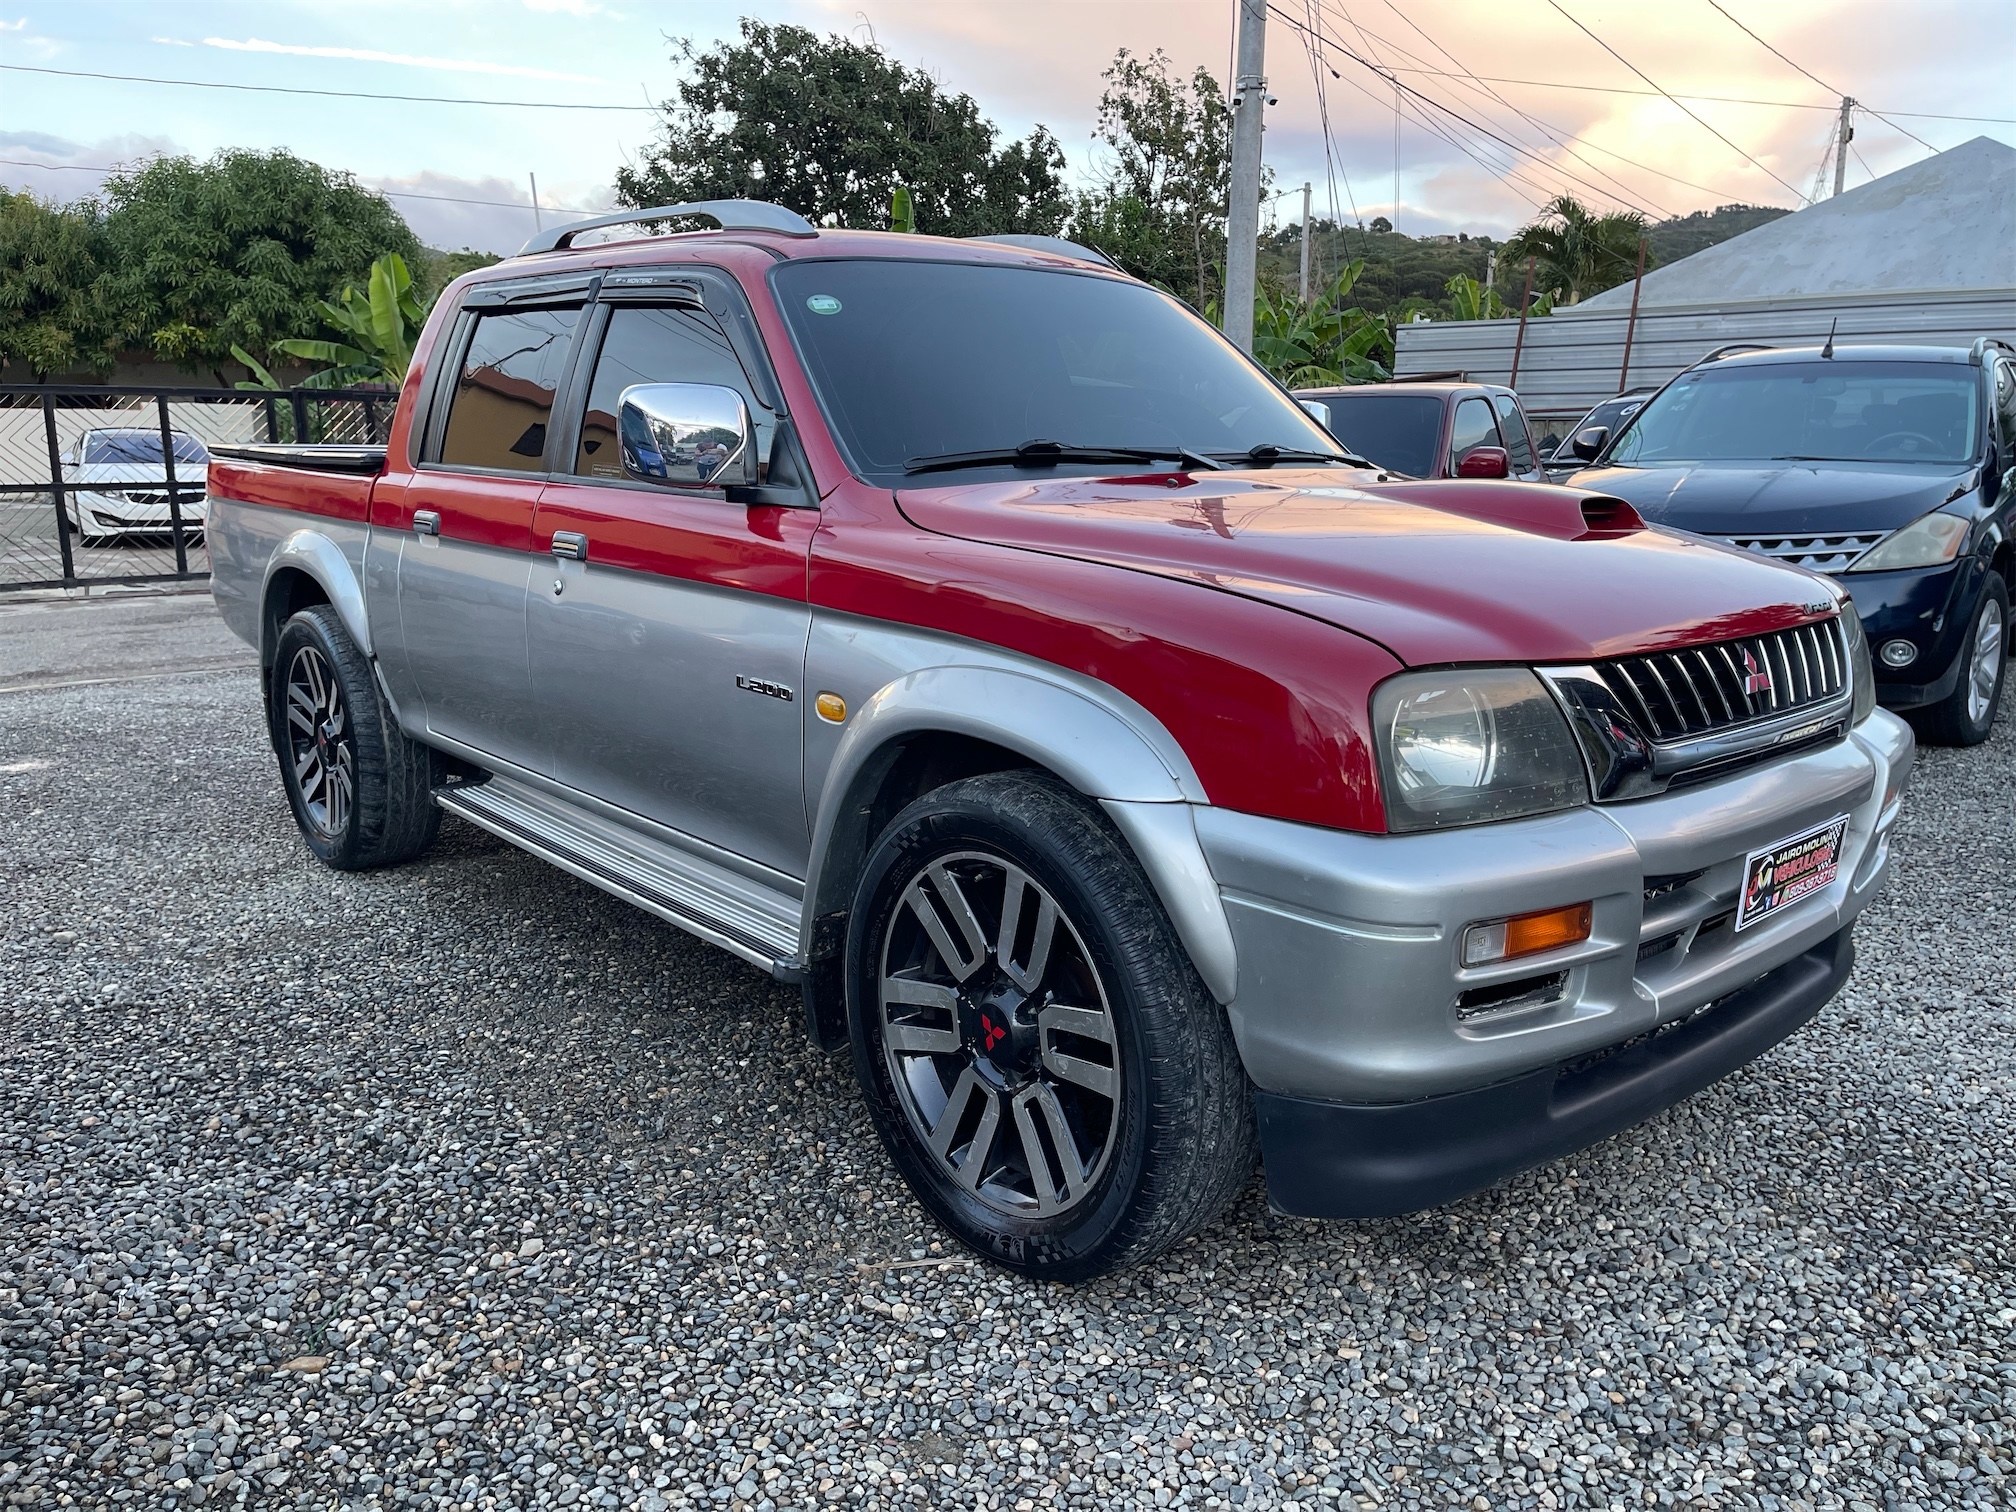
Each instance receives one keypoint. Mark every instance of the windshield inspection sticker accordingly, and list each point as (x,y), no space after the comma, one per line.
(1782,874)
(823,304)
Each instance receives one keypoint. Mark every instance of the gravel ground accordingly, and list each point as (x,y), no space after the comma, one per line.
(463,1186)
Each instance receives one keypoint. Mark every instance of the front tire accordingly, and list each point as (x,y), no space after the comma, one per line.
(1038,1054)
(361,792)
(1966,715)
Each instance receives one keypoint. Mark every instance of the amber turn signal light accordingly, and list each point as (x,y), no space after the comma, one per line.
(831,706)
(1526,934)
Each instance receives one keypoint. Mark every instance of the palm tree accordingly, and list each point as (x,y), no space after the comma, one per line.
(1579,253)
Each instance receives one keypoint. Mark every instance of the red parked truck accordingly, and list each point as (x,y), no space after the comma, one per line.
(968,634)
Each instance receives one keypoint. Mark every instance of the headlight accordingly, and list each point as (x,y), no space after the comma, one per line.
(1925,542)
(1471,746)
(1860,667)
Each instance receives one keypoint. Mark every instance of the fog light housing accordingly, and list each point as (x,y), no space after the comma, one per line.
(1493,940)
(1898,653)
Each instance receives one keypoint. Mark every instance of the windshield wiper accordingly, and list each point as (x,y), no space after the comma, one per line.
(1266,454)
(1042,453)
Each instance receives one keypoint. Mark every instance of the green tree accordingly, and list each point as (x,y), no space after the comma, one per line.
(50,256)
(438,269)
(376,326)
(1579,253)
(1159,209)
(236,251)
(830,128)
(1323,342)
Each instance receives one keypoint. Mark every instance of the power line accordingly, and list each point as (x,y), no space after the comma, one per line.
(1689,114)
(1811,75)
(447,199)
(1658,94)
(333,94)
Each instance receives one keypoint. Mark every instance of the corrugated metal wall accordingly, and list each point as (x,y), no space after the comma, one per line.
(1572,359)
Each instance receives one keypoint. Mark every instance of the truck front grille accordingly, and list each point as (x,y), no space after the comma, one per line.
(1679,695)
(1821,553)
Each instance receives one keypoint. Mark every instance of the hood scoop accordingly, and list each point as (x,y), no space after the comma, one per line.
(1564,514)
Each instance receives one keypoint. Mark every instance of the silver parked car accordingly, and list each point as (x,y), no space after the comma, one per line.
(118,484)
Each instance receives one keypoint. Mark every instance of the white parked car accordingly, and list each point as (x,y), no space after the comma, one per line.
(118,485)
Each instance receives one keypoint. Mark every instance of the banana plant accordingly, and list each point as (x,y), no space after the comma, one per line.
(902,211)
(376,326)
(1321,343)
(1472,300)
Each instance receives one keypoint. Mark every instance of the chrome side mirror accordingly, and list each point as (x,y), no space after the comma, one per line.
(1317,410)
(686,435)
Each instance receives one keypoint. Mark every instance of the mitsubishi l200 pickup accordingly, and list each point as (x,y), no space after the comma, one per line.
(1137,787)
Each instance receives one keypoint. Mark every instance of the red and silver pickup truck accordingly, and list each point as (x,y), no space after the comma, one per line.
(968,634)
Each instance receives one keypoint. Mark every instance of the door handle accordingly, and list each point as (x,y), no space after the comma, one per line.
(570,544)
(426,522)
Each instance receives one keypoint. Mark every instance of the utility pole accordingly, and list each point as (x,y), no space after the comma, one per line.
(537,223)
(1305,243)
(1847,135)
(1242,214)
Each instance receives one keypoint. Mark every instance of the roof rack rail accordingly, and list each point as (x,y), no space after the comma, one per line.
(1056,244)
(1737,346)
(729,214)
(1981,345)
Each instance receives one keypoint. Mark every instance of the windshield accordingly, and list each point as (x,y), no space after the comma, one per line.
(1398,431)
(1808,411)
(140,446)
(916,360)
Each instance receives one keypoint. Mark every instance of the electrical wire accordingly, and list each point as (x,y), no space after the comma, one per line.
(1689,114)
(446,199)
(333,94)
(1842,93)
(1657,94)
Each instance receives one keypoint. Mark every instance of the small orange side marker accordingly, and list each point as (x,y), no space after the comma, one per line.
(831,707)
(1526,934)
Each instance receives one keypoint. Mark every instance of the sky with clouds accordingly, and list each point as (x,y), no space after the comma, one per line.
(1501,105)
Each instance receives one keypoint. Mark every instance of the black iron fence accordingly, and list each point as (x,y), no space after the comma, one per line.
(110,484)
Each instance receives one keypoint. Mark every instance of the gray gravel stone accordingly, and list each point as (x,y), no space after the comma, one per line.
(463,1186)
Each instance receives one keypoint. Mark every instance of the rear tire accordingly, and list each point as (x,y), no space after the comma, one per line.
(1965,716)
(362,793)
(1049,1074)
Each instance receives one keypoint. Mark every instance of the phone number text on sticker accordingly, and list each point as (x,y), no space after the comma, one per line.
(1780,875)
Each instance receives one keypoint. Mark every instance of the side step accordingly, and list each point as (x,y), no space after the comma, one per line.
(723,908)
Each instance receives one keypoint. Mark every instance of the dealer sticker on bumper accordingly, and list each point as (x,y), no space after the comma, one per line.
(1780,875)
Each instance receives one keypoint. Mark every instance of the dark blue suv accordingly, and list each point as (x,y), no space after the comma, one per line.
(1892,468)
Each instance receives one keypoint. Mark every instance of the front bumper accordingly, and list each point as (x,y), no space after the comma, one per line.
(121,514)
(1933,609)
(1351,991)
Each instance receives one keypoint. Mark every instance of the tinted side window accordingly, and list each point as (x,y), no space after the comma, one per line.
(503,399)
(1473,428)
(1513,424)
(644,345)
(2005,399)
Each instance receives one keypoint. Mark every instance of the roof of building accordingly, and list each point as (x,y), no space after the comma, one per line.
(1946,222)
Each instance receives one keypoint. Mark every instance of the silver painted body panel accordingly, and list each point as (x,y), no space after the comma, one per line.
(1348,945)
(635,678)
(462,629)
(249,543)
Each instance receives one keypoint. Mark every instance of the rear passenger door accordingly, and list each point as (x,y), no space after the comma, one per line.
(466,510)
(668,661)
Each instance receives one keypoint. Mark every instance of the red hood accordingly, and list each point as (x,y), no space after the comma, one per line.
(1434,571)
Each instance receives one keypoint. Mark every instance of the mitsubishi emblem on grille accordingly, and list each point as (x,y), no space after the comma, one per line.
(1755,678)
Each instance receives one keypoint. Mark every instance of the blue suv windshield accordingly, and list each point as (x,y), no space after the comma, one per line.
(1819,411)
(915,359)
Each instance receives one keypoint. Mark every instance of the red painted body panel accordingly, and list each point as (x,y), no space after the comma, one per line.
(1436,572)
(333,496)
(1271,708)
(702,540)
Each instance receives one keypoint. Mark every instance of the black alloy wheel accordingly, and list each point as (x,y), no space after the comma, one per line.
(320,746)
(1038,1054)
(361,791)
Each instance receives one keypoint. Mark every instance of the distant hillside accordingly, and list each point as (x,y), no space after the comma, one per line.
(1685,235)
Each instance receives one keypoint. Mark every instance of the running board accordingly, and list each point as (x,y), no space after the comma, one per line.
(757,923)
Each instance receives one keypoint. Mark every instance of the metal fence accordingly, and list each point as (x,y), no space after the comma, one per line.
(109,484)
